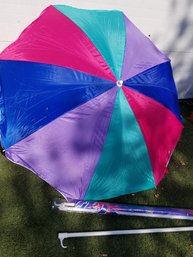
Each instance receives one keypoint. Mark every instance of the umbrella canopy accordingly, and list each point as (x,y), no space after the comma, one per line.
(88,104)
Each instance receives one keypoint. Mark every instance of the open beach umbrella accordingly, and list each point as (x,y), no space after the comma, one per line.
(88,103)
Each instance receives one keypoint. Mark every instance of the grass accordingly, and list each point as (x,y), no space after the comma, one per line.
(29,227)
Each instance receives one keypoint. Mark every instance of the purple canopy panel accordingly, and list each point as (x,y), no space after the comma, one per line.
(65,152)
(140,53)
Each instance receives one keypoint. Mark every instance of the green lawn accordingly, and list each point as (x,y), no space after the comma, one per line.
(29,226)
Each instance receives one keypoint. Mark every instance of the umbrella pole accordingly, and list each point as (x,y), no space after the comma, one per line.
(123,209)
(65,235)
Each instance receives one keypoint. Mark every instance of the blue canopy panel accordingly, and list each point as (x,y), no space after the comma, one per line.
(34,94)
(157,83)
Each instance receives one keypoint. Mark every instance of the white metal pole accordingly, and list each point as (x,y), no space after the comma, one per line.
(62,236)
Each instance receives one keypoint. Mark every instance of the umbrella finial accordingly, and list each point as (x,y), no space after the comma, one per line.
(119,83)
